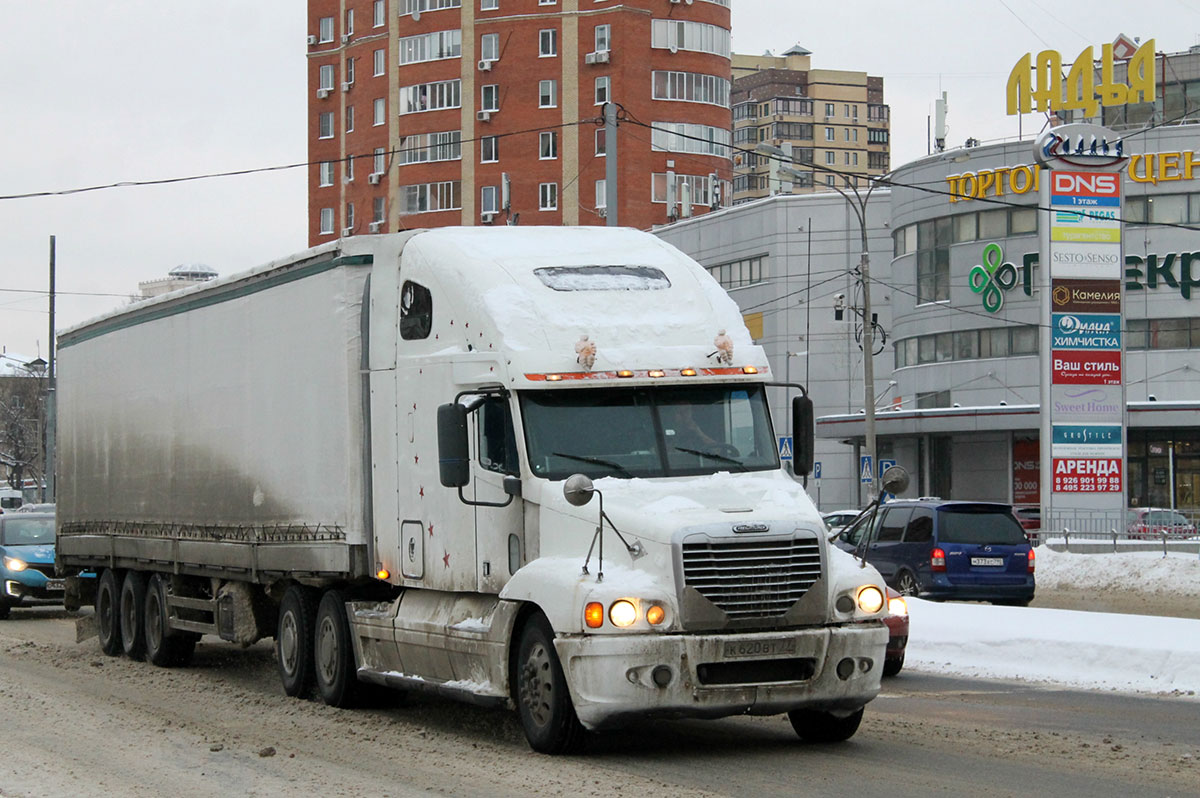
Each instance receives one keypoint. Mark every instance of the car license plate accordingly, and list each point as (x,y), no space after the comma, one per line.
(760,648)
(55,584)
(987,561)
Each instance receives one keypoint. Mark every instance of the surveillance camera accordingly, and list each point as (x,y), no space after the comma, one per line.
(839,297)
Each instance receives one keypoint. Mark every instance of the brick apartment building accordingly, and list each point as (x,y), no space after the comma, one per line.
(427,113)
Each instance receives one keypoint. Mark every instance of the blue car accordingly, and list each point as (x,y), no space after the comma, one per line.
(934,549)
(27,561)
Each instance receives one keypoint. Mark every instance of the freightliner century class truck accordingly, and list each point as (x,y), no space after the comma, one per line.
(526,467)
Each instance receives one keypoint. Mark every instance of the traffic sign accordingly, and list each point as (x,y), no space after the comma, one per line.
(785,447)
(817,471)
(884,465)
(866,474)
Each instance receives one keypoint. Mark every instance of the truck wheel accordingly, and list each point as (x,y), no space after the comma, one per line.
(333,652)
(294,640)
(824,727)
(892,665)
(108,624)
(5,609)
(543,700)
(165,647)
(133,614)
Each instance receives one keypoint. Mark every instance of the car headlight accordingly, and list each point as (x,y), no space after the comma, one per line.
(625,612)
(897,606)
(870,599)
(13,564)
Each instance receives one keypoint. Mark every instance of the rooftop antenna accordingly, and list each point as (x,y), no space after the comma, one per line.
(939,123)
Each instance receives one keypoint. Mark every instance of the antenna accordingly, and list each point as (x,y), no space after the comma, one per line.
(939,124)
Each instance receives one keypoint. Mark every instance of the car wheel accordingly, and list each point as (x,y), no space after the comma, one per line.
(543,700)
(333,652)
(5,609)
(824,727)
(165,647)
(906,584)
(108,624)
(893,665)
(294,640)
(132,613)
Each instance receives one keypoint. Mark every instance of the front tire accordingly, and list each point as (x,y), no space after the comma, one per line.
(165,647)
(543,700)
(893,665)
(333,652)
(294,640)
(108,624)
(824,727)
(5,609)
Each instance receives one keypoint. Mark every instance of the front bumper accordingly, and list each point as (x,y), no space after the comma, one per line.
(941,588)
(612,678)
(23,592)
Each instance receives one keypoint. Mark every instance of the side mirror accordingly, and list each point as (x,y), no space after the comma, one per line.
(803,436)
(454,451)
(578,489)
(895,480)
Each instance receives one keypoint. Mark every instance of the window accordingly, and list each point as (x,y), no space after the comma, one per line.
(380,62)
(349,22)
(379,161)
(349,118)
(436,46)
(379,210)
(489,97)
(350,215)
(830,157)
(325,79)
(601,193)
(686,137)
(423,197)
(349,71)
(416,311)
(847,157)
(489,5)
(326,221)
(674,35)
(547,2)
(547,43)
(920,526)
(877,136)
(427,147)
(600,148)
(894,521)
(548,197)
(380,111)
(409,6)
(430,96)
(933,259)
(489,149)
(603,37)
(738,273)
(831,180)
(830,110)
(497,439)
(830,134)
(602,85)
(928,399)
(325,177)
(325,28)
(548,94)
(489,47)
(690,87)
(325,125)
(379,14)
(349,169)
(852,111)
(993,224)
(548,145)
(487,199)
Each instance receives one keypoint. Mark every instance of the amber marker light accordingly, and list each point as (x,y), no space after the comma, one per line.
(655,615)
(870,599)
(897,606)
(657,373)
(624,373)
(553,377)
(383,573)
(749,369)
(622,613)
(593,614)
(688,373)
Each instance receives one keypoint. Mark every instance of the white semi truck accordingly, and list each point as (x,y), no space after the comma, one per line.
(529,467)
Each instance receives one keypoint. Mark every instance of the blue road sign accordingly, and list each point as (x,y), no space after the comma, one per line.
(884,465)
(866,474)
(785,447)
(817,470)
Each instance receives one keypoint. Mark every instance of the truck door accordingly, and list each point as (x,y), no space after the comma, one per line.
(499,533)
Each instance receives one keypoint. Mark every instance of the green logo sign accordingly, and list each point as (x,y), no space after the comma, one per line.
(993,275)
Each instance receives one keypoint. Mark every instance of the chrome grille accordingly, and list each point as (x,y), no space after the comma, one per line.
(752,578)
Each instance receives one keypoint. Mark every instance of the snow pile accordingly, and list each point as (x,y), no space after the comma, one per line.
(1089,650)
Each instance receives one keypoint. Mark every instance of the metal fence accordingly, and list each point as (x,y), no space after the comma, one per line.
(1121,530)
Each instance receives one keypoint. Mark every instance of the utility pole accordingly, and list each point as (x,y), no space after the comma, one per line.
(51,410)
(610,163)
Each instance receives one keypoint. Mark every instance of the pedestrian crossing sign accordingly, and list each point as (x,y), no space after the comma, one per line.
(865,470)
(785,447)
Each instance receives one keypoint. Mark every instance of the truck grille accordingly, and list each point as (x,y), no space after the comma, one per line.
(752,578)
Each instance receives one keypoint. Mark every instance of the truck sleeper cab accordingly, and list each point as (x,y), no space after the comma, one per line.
(557,486)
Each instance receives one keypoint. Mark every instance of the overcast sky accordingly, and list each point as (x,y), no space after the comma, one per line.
(134,90)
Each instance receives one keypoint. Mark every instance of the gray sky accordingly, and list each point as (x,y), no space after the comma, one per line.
(131,90)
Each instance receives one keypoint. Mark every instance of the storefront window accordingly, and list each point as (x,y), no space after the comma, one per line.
(1135,210)
(1024,340)
(994,343)
(1136,334)
(1022,220)
(945,346)
(964,228)
(1169,208)
(993,224)
(1169,333)
(966,345)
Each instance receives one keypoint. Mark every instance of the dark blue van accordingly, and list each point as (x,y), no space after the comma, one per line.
(934,549)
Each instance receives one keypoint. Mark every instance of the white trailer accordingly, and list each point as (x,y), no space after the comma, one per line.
(530,467)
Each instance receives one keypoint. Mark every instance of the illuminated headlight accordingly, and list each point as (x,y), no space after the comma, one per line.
(13,564)
(897,606)
(622,613)
(625,613)
(870,599)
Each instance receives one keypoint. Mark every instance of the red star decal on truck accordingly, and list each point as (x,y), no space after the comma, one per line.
(430,529)
(446,559)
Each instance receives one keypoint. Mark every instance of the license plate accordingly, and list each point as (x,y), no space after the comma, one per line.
(987,561)
(760,648)
(55,584)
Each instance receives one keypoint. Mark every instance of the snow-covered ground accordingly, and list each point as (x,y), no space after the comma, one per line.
(1092,650)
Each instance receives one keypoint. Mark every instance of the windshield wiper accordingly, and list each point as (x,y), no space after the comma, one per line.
(595,461)
(720,457)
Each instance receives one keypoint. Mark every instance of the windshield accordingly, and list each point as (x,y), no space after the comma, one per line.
(979,524)
(27,531)
(648,432)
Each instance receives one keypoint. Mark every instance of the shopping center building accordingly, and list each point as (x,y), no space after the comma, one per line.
(957,382)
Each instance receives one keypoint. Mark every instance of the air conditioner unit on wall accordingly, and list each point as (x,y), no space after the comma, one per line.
(600,57)
(347,231)
(322,94)
(375,227)
(346,86)
(312,40)
(485,65)
(483,116)
(487,217)
(345,38)
(373,178)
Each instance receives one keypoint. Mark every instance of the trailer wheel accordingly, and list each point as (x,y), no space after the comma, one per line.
(294,640)
(824,727)
(133,614)
(108,624)
(333,652)
(543,700)
(165,647)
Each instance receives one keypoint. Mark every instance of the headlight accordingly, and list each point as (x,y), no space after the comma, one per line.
(626,613)
(622,613)
(13,564)
(897,606)
(870,599)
